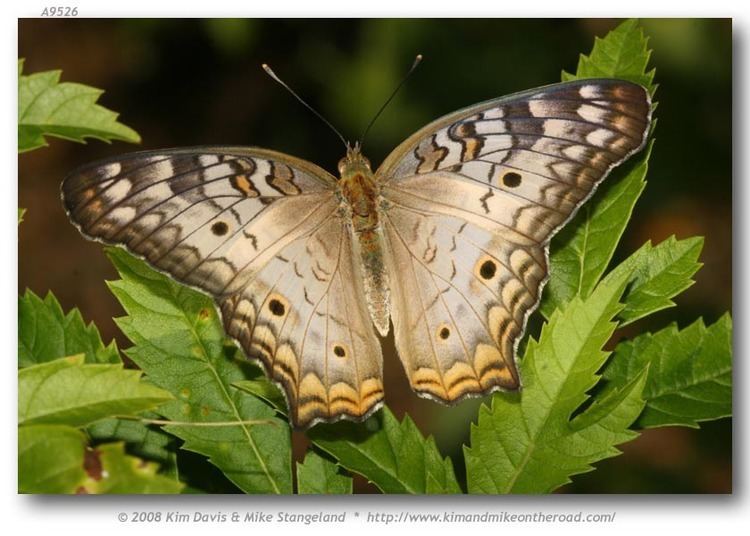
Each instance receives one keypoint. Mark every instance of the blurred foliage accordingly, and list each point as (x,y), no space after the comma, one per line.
(190,82)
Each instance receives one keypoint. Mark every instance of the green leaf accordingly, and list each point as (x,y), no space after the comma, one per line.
(581,252)
(21,212)
(179,343)
(67,391)
(110,470)
(50,459)
(144,440)
(623,53)
(265,390)
(394,456)
(320,476)
(527,442)
(659,274)
(690,373)
(46,333)
(47,107)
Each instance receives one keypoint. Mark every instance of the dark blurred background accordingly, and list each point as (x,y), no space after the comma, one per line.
(192,82)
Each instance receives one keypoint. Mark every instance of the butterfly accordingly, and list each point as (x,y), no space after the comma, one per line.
(448,239)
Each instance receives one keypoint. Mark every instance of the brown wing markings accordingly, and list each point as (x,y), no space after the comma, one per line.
(458,379)
(469,241)
(133,191)
(465,133)
(505,190)
(297,226)
(250,236)
(400,237)
(484,198)
(434,202)
(351,343)
(596,102)
(152,208)
(272,288)
(517,146)
(89,182)
(281,178)
(448,282)
(423,315)
(534,121)
(326,295)
(271,351)
(530,291)
(198,228)
(432,158)
(556,179)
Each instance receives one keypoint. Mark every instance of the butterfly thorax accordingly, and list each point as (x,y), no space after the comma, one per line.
(358,189)
(359,193)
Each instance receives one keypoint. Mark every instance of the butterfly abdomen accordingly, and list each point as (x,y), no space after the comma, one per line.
(359,193)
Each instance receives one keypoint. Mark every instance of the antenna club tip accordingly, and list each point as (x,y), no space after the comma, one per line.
(419,57)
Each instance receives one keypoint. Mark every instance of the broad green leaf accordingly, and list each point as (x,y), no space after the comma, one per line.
(46,333)
(581,252)
(50,459)
(659,273)
(527,442)
(67,391)
(394,456)
(110,470)
(48,107)
(143,440)
(690,373)
(623,53)
(320,476)
(179,343)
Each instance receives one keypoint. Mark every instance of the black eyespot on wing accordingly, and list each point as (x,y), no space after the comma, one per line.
(219,228)
(445,333)
(511,179)
(488,269)
(339,351)
(276,307)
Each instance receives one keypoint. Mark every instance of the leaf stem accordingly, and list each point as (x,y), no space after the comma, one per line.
(164,422)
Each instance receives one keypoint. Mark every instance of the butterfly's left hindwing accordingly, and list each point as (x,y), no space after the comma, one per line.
(471,202)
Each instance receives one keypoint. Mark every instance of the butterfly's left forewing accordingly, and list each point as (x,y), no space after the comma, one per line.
(471,203)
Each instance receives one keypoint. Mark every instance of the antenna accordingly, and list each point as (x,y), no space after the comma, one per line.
(417,60)
(290,90)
